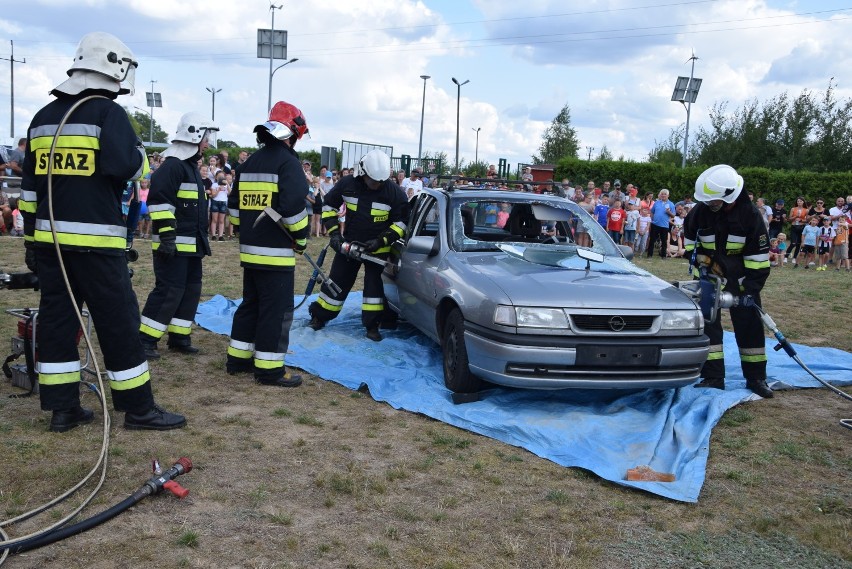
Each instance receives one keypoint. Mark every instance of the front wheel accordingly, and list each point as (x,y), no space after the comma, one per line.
(457,376)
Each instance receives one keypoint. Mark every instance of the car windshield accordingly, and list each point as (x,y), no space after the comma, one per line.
(544,231)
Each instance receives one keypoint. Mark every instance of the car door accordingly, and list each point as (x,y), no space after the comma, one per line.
(419,263)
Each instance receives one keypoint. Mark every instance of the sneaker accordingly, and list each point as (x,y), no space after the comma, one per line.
(289,380)
(155,419)
(221,238)
(316,323)
(66,419)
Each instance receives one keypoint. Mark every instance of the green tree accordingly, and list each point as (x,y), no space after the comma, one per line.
(142,125)
(669,151)
(559,140)
(605,154)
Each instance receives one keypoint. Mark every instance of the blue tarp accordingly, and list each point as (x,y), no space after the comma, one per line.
(606,432)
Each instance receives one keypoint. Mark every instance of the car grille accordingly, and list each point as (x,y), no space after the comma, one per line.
(603,374)
(612,322)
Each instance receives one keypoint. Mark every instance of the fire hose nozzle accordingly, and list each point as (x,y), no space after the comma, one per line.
(176,489)
(159,481)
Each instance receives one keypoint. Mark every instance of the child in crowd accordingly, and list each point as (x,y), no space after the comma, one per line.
(630,220)
(642,228)
(615,221)
(782,246)
(17,229)
(774,252)
(826,237)
(601,210)
(503,215)
(809,241)
(675,245)
(841,244)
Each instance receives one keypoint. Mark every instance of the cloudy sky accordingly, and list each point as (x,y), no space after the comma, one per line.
(614,62)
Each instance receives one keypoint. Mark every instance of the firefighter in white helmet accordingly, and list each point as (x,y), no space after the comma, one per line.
(376,210)
(271,177)
(96,152)
(725,234)
(177,204)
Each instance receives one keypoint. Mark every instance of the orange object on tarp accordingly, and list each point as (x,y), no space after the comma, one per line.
(648,474)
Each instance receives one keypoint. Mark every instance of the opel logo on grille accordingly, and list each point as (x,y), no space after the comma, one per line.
(617,323)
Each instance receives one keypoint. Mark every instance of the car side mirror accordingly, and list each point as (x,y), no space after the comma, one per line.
(626,251)
(424,245)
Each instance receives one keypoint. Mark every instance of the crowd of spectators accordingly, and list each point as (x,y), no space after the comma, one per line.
(808,234)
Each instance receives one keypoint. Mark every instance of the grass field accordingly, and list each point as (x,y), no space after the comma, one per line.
(321,476)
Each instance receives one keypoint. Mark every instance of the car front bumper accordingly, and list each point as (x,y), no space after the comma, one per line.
(559,362)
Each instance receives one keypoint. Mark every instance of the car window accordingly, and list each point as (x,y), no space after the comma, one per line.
(484,224)
(424,216)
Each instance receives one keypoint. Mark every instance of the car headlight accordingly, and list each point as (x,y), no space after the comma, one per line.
(682,320)
(531,317)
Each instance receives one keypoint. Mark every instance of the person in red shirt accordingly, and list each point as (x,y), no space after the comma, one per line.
(615,221)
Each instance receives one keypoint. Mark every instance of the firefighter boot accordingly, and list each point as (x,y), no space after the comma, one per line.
(374,334)
(759,387)
(155,419)
(288,380)
(713,382)
(184,349)
(66,419)
(151,352)
(316,323)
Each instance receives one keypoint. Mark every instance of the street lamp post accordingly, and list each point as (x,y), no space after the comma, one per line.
(213,91)
(458,116)
(685,93)
(422,116)
(272,9)
(294,60)
(476,130)
(151,122)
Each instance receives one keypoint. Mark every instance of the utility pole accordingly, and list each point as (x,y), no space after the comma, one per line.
(476,155)
(458,115)
(590,148)
(213,91)
(12,61)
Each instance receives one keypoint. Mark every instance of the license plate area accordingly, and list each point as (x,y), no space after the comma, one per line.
(618,356)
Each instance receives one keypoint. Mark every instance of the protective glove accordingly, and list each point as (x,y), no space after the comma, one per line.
(374,245)
(30,257)
(167,249)
(335,239)
(747,301)
(299,246)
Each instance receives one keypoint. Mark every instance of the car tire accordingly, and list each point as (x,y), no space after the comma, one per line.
(457,376)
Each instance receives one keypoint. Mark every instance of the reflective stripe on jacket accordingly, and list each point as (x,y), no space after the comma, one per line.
(96,153)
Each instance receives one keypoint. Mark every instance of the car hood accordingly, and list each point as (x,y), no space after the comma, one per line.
(615,283)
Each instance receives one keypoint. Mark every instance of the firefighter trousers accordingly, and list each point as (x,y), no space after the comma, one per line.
(260,333)
(102,282)
(748,331)
(172,304)
(343,272)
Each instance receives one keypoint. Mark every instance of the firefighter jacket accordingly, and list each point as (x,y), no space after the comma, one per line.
(733,244)
(370,214)
(271,177)
(96,153)
(177,204)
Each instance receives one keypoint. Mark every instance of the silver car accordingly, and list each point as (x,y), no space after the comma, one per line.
(528,290)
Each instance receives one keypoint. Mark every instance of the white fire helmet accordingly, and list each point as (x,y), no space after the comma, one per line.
(101,62)
(375,164)
(720,182)
(192,129)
